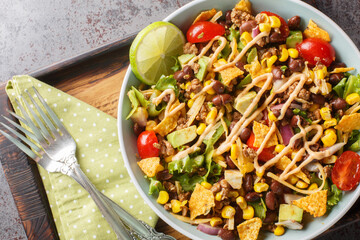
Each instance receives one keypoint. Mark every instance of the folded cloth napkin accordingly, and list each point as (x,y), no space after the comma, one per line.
(75,214)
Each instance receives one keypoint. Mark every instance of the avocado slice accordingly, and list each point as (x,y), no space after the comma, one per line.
(252,55)
(182,136)
(294,38)
(203,62)
(290,212)
(185,58)
(241,104)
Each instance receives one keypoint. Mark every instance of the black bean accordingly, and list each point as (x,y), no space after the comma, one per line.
(163,175)
(338,104)
(271,216)
(252,196)
(188,73)
(230,164)
(223,23)
(228,17)
(276,37)
(217,100)
(226,234)
(248,26)
(138,129)
(241,65)
(296,65)
(335,78)
(277,73)
(289,113)
(221,99)
(245,134)
(218,87)
(271,201)
(276,112)
(336,65)
(294,22)
(179,76)
(232,125)
(277,188)
(238,215)
(294,120)
(248,183)
(318,99)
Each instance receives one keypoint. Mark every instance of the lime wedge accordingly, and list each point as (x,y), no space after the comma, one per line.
(151,53)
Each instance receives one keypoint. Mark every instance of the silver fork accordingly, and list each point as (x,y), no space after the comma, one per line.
(54,149)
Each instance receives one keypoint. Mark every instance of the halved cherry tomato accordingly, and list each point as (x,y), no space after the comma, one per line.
(346,172)
(145,145)
(266,154)
(284,28)
(316,50)
(204,31)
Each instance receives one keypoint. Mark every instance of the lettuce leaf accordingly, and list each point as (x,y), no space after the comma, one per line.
(354,141)
(225,52)
(334,196)
(186,164)
(137,99)
(167,82)
(189,182)
(259,208)
(339,88)
(233,34)
(177,65)
(155,186)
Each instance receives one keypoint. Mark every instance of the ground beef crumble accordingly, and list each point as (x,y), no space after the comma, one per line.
(238,17)
(190,48)
(249,152)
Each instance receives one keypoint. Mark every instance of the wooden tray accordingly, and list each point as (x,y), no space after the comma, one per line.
(94,77)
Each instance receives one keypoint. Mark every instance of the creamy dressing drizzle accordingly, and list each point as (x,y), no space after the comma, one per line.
(167,112)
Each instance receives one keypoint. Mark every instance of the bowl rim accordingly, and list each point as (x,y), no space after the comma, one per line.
(145,196)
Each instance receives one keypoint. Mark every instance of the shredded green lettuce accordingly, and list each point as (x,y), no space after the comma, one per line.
(155,186)
(352,85)
(167,82)
(137,99)
(354,141)
(186,164)
(339,88)
(177,65)
(233,34)
(259,208)
(334,196)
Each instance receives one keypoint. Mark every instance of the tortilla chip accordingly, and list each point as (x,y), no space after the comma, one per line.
(244,5)
(205,15)
(255,69)
(227,74)
(234,178)
(201,201)
(284,162)
(341,70)
(169,123)
(313,31)
(349,123)
(150,166)
(249,230)
(260,131)
(315,204)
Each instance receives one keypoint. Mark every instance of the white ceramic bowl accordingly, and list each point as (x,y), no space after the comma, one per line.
(346,51)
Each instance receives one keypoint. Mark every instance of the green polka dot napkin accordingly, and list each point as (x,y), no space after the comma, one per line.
(75,214)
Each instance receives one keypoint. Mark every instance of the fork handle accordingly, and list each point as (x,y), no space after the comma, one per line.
(107,211)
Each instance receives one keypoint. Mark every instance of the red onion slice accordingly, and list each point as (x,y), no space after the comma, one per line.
(255,31)
(286,133)
(279,106)
(288,197)
(206,228)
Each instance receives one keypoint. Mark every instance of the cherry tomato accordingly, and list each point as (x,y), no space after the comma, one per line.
(284,28)
(266,154)
(204,31)
(346,172)
(145,145)
(316,50)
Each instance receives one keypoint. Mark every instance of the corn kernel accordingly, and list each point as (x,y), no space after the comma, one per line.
(271,60)
(325,113)
(330,123)
(248,212)
(211,91)
(279,148)
(211,115)
(263,62)
(327,90)
(352,98)
(245,38)
(292,179)
(163,197)
(264,18)
(261,187)
(312,75)
(233,194)
(274,22)
(150,125)
(201,128)
(293,52)
(228,212)
(319,74)
(272,116)
(301,184)
(175,206)
(241,202)
(218,196)
(313,186)
(293,154)
(279,230)
(264,27)
(219,158)
(259,174)
(215,221)
(168,158)
(314,107)
(187,85)
(192,95)
(284,55)
(182,86)
(268,70)
(234,151)
(329,160)
(206,185)
(329,138)
(249,167)
(190,103)
(222,61)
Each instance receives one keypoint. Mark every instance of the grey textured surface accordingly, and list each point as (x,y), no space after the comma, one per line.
(36,33)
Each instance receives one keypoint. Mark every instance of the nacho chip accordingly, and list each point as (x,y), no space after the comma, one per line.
(244,5)
(205,15)
(234,178)
(315,204)
(227,74)
(255,69)
(249,230)
(169,123)
(313,31)
(260,131)
(349,123)
(341,70)
(201,201)
(150,166)
(284,162)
